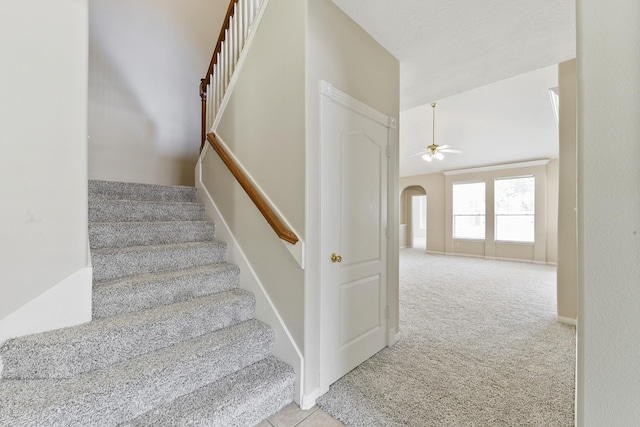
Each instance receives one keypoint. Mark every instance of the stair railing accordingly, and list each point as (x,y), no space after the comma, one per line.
(233,35)
(236,28)
(269,215)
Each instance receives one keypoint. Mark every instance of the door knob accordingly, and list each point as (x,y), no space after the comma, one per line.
(336,258)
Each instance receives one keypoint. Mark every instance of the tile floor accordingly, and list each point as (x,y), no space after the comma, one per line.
(291,415)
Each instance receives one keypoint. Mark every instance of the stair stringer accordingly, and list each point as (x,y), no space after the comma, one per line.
(284,346)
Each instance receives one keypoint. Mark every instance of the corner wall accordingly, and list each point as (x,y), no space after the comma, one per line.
(43,165)
(608,375)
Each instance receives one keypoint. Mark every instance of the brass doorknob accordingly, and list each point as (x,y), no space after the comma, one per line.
(336,258)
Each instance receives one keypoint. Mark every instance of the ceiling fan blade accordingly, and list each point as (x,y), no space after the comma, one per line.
(449,150)
(421,153)
(443,147)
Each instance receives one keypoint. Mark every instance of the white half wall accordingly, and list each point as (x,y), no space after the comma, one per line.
(66,304)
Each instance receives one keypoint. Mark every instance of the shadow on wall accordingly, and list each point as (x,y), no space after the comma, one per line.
(122,144)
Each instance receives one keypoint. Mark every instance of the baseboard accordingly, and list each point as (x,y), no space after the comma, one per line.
(393,337)
(284,346)
(567,320)
(436,252)
(309,399)
(68,303)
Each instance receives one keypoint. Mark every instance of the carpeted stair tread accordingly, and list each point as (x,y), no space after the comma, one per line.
(129,389)
(133,210)
(97,344)
(127,294)
(109,190)
(112,263)
(241,399)
(125,234)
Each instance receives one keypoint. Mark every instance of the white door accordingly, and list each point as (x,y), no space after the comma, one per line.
(355,150)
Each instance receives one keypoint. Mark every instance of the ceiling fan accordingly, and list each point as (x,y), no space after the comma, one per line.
(435,151)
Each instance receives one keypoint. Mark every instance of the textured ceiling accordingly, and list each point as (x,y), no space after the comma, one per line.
(466,55)
(448,47)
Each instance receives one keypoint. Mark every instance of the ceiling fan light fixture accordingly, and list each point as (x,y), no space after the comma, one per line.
(428,157)
(439,156)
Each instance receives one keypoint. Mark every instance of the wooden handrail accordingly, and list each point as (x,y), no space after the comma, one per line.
(281,230)
(214,58)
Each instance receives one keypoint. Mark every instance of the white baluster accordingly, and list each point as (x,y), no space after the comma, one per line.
(225,60)
(235,35)
(210,96)
(219,78)
(245,17)
(252,13)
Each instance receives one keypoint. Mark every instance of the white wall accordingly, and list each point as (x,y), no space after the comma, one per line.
(146,59)
(343,54)
(43,165)
(608,373)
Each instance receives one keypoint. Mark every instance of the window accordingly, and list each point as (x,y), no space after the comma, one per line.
(515,209)
(468,211)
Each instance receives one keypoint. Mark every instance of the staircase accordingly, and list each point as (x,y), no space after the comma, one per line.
(173,339)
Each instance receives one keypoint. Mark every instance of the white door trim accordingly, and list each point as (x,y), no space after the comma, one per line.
(330,94)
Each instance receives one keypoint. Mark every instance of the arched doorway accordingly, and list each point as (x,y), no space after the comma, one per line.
(413,217)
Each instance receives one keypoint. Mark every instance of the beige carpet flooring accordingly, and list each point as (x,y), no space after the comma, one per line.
(479,346)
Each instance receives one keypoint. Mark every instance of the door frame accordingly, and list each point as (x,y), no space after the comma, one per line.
(331,95)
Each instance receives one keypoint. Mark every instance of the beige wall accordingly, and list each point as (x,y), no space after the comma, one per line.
(263,126)
(608,392)
(567,196)
(434,185)
(341,53)
(439,216)
(146,59)
(43,166)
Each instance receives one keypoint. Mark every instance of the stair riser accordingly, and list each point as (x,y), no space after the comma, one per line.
(123,210)
(107,266)
(127,295)
(139,394)
(120,235)
(104,190)
(242,399)
(98,348)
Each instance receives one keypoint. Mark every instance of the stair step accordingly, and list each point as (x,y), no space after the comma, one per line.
(112,263)
(98,344)
(241,399)
(109,190)
(131,210)
(129,389)
(125,234)
(128,294)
